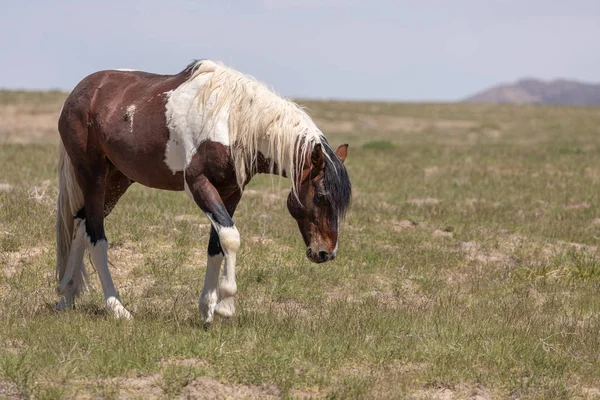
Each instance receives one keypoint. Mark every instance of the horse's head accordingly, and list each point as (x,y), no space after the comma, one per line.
(324,193)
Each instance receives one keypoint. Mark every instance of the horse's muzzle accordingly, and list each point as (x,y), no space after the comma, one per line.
(320,256)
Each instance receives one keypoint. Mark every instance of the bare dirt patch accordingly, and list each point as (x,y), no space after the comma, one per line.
(306,393)
(124,258)
(476,252)
(147,387)
(409,294)
(343,293)
(14,346)
(6,187)
(403,225)
(561,245)
(577,206)
(431,171)
(593,174)
(441,234)
(12,260)
(461,391)
(126,253)
(424,201)
(395,294)
(185,362)
(209,388)
(589,392)
(9,391)
(472,202)
(150,387)
(434,394)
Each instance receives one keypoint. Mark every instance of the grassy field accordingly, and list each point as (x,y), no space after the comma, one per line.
(468,268)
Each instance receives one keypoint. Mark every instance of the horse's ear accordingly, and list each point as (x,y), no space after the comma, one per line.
(317,157)
(342,152)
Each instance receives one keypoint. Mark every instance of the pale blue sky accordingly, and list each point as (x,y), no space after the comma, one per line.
(394,50)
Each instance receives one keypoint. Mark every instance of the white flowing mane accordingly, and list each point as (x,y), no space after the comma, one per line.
(259,120)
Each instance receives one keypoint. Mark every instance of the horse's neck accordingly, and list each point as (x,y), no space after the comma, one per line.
(264,165)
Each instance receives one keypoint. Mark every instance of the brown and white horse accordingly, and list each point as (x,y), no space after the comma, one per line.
(207,130)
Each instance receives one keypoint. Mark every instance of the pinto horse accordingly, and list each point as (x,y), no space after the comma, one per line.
(207,130)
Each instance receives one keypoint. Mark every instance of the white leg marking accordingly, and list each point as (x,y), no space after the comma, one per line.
(68,286)
(209,297)
(230,243)
(99,255)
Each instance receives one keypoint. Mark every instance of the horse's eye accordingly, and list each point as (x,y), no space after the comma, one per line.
(320,197)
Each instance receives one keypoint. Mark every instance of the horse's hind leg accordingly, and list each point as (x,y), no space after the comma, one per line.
(116,185)
(74,283)
(94,198)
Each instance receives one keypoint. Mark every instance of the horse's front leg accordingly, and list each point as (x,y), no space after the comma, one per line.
(224,243)
(230,242)
(209,297)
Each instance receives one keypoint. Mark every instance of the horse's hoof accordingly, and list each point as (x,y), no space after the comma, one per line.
(208,319)
(207,325)
(122,313)
(63,304)
(206,312)
(226,308)
(117,308)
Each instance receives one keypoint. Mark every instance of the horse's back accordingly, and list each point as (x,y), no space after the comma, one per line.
(122,113)
(100,91)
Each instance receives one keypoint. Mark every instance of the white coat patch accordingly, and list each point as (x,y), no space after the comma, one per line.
(187,126)
(130,112)
(125,70)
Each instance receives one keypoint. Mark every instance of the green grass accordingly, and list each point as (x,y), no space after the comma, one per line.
(468,263)
(379,144)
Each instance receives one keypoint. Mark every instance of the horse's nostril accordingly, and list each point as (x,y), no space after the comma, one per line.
(323,255)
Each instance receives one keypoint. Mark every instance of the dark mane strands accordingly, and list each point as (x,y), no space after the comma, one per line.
(191,67)
(336,181)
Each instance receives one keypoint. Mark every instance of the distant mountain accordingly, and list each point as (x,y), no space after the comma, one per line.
(535,91)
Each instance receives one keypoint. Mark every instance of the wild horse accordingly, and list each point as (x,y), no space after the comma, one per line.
(207,130)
